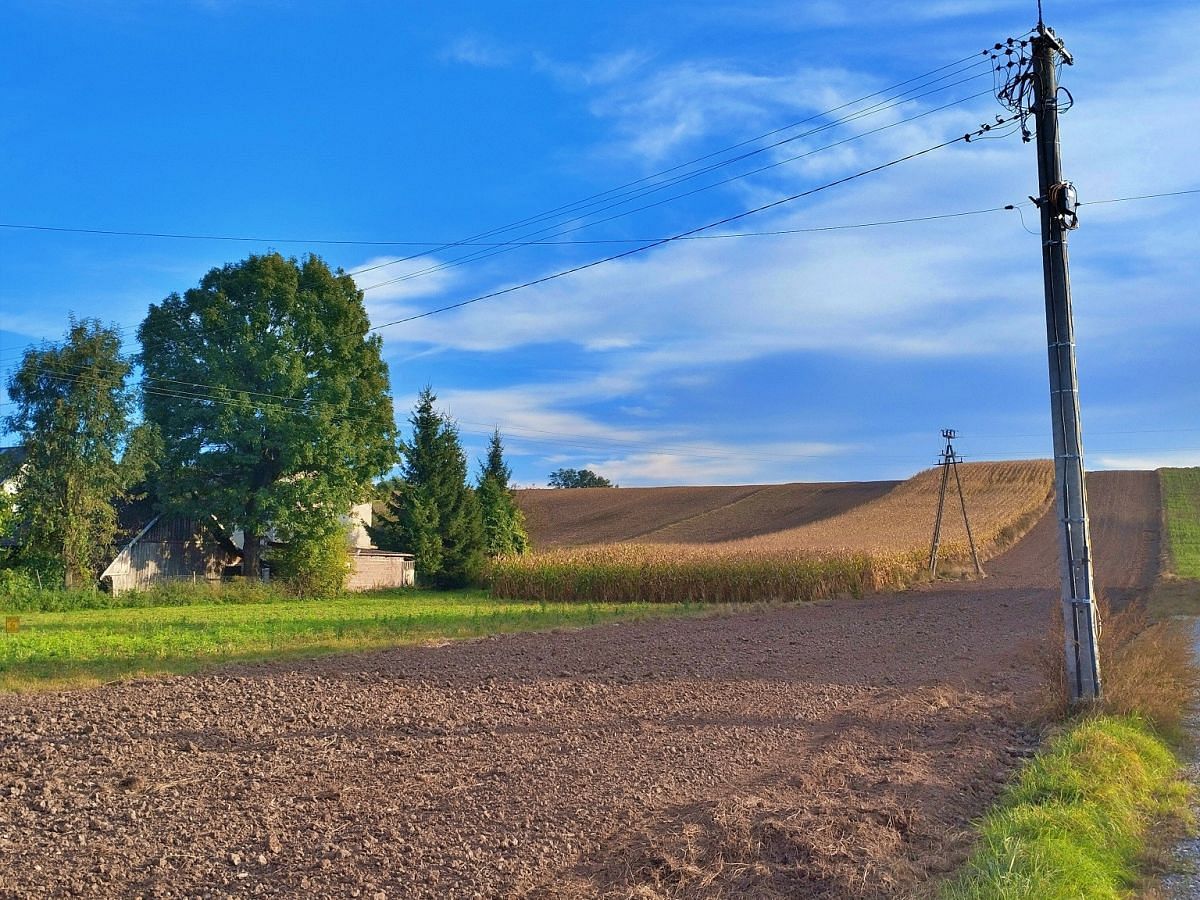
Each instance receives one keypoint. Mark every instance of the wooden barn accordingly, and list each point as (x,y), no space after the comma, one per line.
(183,549)
(172,548)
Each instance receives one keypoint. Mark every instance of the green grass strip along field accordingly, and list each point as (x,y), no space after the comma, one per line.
(94,645)
(1077,819)
(1181,500)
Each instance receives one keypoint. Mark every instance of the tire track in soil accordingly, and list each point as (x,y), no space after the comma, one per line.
(833,750)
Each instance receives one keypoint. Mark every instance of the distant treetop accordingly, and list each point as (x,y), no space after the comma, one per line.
(578,478)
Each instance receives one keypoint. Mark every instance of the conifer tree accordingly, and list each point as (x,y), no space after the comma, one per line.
(503,522)
(72,416)
(434,513)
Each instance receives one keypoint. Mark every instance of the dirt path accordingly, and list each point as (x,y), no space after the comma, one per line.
(1125,513)
(836,750)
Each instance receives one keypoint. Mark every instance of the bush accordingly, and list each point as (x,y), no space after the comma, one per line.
(313,567)
(24,597)
(20,591)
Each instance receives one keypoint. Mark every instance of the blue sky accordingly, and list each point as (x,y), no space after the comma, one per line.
(813,356)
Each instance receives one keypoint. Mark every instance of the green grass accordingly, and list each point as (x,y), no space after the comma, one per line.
(1078,818)
(1181,500)
(53,649)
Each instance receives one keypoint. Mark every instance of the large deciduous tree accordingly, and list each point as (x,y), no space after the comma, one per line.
(503,522)
(433,513)
(271,397)
(72,415)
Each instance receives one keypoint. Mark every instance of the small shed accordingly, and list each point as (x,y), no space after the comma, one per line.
(372,569)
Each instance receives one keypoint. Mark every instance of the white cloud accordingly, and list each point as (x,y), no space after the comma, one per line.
(1149,459)
(531,412)
(479,51)
(744,463)
(968,287)
(600,70)
(963,286)
(394,282)
(659,114)
(537,421)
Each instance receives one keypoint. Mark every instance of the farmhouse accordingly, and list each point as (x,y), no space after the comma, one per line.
(12,460)
(167,548)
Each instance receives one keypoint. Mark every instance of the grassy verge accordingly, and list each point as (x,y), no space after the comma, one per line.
(1181,501)
(1083,818)
(1078,819)
(52,649)
(1178,591)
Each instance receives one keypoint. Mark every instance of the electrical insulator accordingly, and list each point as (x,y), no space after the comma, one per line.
(1065,203)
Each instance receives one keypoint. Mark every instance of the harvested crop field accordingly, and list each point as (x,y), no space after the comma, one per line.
(680,515)
(831,750)
(1002,499)
(875,545)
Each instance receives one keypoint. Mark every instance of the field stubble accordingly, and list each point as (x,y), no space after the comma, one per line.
(879,545)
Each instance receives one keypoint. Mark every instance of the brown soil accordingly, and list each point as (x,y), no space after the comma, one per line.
(563,518)
(1125,512)
(833,750)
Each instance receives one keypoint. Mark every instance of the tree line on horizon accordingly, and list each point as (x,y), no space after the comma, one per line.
(264,404)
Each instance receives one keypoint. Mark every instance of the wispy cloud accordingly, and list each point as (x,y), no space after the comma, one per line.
(926,290)
(479,51)
(858,14)
(1146,460)
(743,463)
(665,110)
(599,71)
(395,282)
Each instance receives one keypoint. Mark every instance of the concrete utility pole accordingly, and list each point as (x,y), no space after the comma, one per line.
(1057,204)
(948,461)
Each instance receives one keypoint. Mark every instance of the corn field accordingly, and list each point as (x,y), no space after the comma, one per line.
(880,545)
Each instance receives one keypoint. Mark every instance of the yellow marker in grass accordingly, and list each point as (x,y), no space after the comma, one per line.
(12,624)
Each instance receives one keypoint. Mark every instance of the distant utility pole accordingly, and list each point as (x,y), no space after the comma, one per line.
(1057,203)
(949,460)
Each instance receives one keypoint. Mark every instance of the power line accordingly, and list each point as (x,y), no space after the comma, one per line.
(600,197)
(552,242)
(182,393)
(445,244)
(1140,197)
(559,229)
(568,242)
(758,209)
(13,354)
(502,229)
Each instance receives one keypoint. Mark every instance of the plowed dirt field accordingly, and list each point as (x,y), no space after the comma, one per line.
(681,515)
(833,750)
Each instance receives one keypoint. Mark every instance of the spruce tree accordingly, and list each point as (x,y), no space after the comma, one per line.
(503,522)
(433,513)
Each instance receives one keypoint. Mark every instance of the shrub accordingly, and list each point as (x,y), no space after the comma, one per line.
(313,567)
